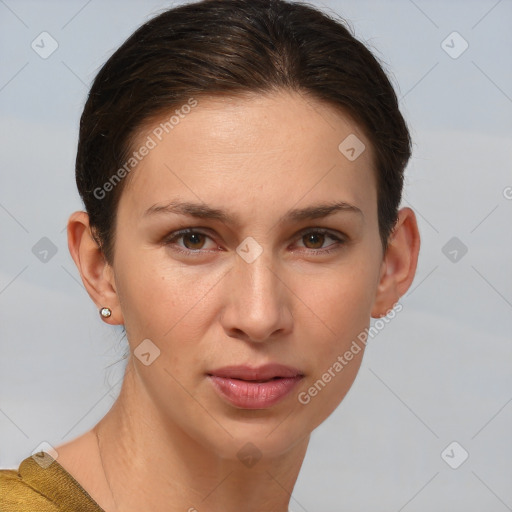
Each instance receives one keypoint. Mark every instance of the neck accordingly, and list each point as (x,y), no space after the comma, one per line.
(151,464)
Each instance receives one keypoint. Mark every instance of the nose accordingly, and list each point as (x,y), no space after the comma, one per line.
(259,307)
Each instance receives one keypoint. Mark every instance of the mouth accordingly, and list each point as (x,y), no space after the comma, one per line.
(258,374)
(255,380)
(254,388)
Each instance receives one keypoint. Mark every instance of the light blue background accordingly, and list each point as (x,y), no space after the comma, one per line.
(441,371)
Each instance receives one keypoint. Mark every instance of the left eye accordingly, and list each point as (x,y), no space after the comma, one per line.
(318,236)
(194,240)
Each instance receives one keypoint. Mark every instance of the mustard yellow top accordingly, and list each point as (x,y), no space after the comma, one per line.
(41,484)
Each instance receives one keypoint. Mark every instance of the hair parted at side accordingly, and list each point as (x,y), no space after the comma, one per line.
(223,47)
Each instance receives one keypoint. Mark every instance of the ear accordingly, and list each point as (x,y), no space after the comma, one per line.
(97,275)
(399,263)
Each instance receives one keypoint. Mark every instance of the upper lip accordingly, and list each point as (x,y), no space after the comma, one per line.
(265,372)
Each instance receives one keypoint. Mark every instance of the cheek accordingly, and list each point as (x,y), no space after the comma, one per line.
(163,300)
(340,302)
(339,311)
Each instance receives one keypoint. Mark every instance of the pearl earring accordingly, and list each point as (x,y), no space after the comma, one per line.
(105,312)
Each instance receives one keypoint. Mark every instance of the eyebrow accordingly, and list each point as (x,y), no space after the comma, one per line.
(203,211)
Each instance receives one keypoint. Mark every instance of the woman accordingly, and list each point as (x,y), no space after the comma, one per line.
(241,166)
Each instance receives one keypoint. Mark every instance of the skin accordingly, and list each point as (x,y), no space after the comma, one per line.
(170,443)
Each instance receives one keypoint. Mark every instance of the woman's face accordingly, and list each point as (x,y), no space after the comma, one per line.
(258,284)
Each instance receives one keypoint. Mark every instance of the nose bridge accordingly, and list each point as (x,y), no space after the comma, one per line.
(258,306)
(256,274)
(259,270)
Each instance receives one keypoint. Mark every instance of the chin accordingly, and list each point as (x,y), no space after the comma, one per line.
(255,434)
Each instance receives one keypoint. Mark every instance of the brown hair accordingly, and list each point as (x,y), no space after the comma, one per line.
(219,47)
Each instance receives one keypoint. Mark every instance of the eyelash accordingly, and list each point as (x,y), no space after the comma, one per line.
(176,235)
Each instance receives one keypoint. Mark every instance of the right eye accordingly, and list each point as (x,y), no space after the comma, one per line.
(193,240)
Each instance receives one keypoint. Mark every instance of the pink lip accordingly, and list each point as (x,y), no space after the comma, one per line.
(237,384)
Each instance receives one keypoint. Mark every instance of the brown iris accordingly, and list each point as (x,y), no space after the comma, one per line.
(313,238)
(194,237)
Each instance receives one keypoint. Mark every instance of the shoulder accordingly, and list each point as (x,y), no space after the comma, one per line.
(41,484)
(17,495)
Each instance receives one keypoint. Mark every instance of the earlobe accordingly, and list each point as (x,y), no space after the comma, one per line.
(399,264)
(97,275)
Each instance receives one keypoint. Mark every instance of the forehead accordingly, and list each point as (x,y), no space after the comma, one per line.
(263,148)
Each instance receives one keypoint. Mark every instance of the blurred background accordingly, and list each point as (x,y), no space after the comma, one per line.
(427,424)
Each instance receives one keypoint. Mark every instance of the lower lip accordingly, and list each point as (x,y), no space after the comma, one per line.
(253,395)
